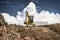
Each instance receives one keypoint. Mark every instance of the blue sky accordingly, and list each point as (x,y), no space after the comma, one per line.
(12,6)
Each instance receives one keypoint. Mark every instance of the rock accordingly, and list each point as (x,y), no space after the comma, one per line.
(28,38)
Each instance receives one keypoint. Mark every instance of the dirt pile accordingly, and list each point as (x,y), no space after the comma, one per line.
(18,32)
(55,28)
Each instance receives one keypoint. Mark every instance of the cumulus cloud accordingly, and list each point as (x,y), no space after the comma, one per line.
(48,17)
(13,20)
(43,16)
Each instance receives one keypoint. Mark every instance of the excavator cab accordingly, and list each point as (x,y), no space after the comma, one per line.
(31,19)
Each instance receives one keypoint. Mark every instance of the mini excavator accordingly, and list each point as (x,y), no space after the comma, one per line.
(29,20)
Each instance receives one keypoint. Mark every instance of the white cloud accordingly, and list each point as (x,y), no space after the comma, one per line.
(31,8)
(43,16)
(13,20)
(9,19)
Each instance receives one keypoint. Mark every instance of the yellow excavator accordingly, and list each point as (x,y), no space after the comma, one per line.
(29,20)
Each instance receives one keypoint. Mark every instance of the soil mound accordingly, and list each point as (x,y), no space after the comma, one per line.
(18,32)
